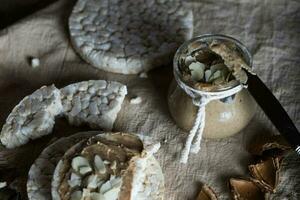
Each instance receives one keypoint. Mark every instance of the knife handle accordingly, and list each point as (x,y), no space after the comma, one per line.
(274,110)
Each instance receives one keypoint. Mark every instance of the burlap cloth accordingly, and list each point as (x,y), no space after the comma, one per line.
(271,30)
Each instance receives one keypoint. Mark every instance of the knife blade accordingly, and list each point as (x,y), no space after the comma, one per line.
(274,111)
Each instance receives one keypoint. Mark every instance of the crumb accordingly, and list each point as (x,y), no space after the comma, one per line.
(34,62)
(165,140)
(106,162)
(143,75)
(136,100)
(3,184)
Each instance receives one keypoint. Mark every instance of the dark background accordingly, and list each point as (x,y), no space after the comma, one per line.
(12,10)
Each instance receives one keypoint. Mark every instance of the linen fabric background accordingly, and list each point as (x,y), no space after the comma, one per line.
(269,28)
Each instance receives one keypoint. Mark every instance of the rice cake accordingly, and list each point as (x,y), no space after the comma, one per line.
(93,102)
(32,118)
(129,37)
(109,166)
(41,171)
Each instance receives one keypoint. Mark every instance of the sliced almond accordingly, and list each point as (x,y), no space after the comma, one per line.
(84,170)
(93,182)
(112,194)
(197,70)
(206,193)
(105,187)
(99,164)
(243,189)
(188,60)
(86,194)
(75,180)
(80,163)
(115,181)
(215,76)
(207,75)
(266,174)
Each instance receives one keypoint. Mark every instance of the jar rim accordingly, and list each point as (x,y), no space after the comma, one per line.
(204,38)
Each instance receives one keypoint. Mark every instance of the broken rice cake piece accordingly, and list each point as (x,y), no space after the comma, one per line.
(32,118)
(93,102)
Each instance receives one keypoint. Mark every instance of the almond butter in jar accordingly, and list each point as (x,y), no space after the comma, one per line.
(211,65)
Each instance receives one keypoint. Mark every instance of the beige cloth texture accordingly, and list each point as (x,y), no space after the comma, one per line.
(269,28)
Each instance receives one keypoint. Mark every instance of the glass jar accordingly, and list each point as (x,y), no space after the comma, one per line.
(224,117)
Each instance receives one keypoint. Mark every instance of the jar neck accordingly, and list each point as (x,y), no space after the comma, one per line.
(196,94)
(184,49)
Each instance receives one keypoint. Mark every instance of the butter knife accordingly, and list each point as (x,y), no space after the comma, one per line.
(274,111)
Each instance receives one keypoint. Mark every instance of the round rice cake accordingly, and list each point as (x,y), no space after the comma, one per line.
(93,102)
(32,118)
(131,36)
(41,171)
(109,166)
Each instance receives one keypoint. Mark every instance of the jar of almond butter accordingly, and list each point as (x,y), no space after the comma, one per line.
(210,66)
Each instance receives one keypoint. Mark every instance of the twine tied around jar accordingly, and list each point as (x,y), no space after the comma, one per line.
(201,99)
